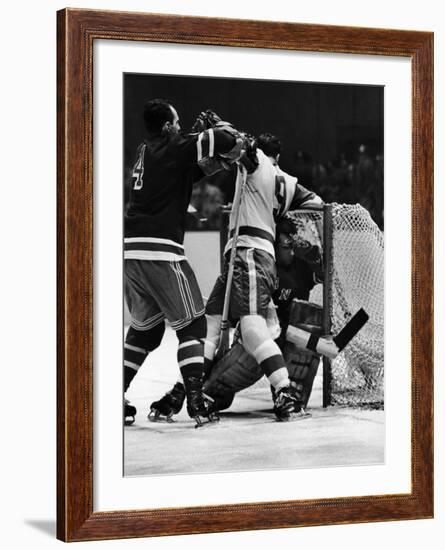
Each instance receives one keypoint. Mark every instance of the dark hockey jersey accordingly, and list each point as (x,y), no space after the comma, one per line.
(163,175)
(294,281)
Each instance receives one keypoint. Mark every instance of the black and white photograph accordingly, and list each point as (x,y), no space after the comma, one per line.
(224,330)
(253,262)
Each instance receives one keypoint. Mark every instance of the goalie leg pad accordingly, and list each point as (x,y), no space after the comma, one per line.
(298,362)
(220,402)
(236,371)
(305,314)
(309,380)
(302,367)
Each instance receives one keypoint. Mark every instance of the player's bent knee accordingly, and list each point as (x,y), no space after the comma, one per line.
(195,330)
(254,332)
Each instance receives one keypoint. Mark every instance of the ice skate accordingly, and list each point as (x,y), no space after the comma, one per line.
(199,407)
(172,402)
(287,406)
(129,413)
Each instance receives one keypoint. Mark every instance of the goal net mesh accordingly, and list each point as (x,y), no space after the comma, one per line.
(356,281)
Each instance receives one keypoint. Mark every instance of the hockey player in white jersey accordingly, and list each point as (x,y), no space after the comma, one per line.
(269,193)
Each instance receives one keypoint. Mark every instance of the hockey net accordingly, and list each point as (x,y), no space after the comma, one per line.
(354,279)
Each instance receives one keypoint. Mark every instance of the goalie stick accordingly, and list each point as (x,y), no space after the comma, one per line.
(324,346)
(224,344)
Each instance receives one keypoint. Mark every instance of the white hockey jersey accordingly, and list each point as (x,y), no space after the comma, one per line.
(269,193)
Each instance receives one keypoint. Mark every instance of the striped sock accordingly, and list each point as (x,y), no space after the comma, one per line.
(270,359)
(191,357)
(134,356)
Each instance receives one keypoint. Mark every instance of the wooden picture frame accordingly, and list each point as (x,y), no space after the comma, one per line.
(77,31)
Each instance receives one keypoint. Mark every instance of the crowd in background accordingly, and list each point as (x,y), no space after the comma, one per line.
(350,181)
(358,179)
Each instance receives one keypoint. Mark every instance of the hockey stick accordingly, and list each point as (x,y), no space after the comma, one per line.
(324,346)
(224,343)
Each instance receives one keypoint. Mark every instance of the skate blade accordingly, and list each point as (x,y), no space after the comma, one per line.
(203,421)
(156,416)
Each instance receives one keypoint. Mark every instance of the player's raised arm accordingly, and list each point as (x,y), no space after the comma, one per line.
(218,143)
(295,196)
(303,198)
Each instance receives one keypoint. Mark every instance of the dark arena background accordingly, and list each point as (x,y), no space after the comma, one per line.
(332,138)
(331,134)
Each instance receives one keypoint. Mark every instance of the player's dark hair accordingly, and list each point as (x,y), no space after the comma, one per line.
(156,113)
(269,144)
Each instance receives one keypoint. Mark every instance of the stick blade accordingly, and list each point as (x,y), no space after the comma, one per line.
(352,327)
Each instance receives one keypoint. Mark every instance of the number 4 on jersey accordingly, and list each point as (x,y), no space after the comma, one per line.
(138,170)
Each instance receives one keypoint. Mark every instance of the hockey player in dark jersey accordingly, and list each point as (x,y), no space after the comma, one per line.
(159,282)
(269,194)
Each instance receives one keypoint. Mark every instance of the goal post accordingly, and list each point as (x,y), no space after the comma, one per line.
(327,297)
(353,269)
